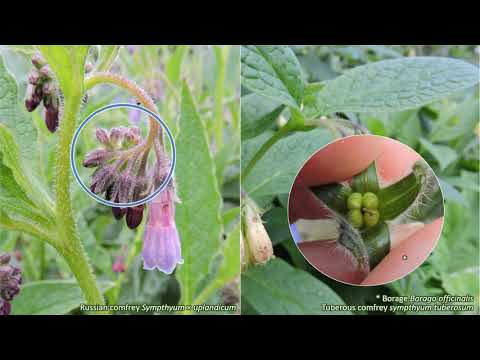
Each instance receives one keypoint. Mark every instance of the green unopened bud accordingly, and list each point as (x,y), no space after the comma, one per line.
(355,217)
(354,201)
(371,217)
(370,200)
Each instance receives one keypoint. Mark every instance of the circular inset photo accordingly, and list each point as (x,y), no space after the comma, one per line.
(365,210)
(121,159)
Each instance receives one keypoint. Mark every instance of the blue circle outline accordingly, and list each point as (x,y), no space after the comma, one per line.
(95,196)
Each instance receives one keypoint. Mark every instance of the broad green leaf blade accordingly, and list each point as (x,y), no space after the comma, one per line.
(463,282)
(274,173)
(462,122)
(397,198)
(377,242)
(11,116)
(367,180)
(14,199)
(230,266)
(276,224)
(68,64)
(394,85)
(258,114)
(199,214)
(50,297)
(277,288)
(273,71)
(174,63)
(15,182)
(442,153)
(108,54)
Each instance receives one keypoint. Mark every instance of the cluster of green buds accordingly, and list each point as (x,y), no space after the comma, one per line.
(41,87)
(121,170)
(363,209)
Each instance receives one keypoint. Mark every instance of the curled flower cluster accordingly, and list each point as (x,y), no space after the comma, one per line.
(10,281)
(120,175)
(41,87)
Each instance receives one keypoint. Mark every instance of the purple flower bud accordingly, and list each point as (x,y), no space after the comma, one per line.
(46,72)
(132,136)
(116,135)
(134,216)
(5,307)
(34,77)
(103,178)
(96,157)
(161,247)
(126,187)
(118,213)
(51,119)
(10,281)
(32,100)
(38,61)
(102,136)
(4,259)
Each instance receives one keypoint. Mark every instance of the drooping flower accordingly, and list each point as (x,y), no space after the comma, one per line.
(161,247)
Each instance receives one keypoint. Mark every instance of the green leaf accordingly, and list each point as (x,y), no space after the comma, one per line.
(273,71)
(199,215)
(277,288)
(367,180)
(274,173)
(464,282)
(10,115)
(174,63)
(397,198)
(377,242)
(258,114)
(276,224)
(452,194)
(50,297)
(230,215)
(230,266)
(461,122)
(394,85)
(68,64)
(108,54)
(442,153)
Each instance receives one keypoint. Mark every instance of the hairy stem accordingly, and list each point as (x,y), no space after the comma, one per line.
(135,90)
(70,246)
(265,147)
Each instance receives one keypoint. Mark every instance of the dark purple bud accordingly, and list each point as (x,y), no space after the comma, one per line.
(10,280)
(5,307)
(96,157)
(38,61)
(102,136)
(32,100)
(118,213)
(134,216)
(34,77)
(51,119)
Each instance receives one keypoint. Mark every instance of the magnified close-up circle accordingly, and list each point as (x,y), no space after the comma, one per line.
(117,159)
(365,210)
